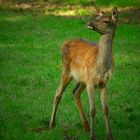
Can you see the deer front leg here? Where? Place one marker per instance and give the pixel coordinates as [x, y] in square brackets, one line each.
[77, 93]
[64, 82]
[106, 112]
[91, 95]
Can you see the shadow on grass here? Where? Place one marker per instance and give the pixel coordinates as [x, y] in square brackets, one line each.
[44, 126]
[127, 15]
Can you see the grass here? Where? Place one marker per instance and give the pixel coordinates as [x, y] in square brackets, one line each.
[30, 70]
[122, 3]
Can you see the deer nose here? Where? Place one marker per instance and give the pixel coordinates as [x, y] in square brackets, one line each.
[90, 25]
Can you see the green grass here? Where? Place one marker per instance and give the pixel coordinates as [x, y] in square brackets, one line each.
[122, 3]
[30, 70]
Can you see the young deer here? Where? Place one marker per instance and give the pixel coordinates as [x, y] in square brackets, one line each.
[91, 65]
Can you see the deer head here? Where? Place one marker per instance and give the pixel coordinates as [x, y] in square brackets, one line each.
[105, 23]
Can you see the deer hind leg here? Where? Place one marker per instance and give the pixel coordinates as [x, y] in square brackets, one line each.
[106, 112]
[77, 93]
[64, 82]
[91, 95]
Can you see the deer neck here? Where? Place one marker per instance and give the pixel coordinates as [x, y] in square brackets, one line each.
[104, 59]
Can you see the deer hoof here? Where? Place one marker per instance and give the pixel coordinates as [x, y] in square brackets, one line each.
[86, 126]
[92, 137]
[51, 125]
[110, 136]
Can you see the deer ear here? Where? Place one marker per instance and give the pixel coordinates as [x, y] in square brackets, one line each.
[114, 14]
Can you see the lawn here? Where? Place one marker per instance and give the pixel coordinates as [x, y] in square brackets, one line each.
[30, 70]
[121, 3]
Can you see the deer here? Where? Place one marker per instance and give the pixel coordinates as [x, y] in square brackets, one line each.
[90, 65]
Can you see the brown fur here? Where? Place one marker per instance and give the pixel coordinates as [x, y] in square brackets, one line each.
[80, 55]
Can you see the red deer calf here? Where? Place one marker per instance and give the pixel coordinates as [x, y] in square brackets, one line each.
[91, 65]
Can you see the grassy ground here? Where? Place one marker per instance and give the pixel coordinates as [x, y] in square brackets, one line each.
[30, 69]
[122, 3]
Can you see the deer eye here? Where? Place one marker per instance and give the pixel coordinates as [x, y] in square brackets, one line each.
[106, 21]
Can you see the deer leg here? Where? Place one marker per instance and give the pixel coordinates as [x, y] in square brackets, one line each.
[91, 95]
[77, 93]
[106, 112]
[64, 82]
